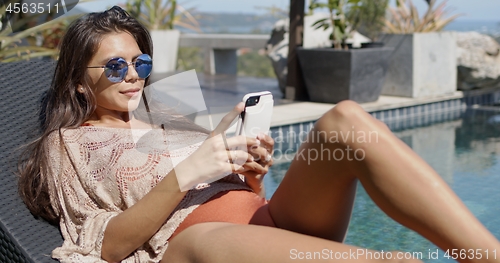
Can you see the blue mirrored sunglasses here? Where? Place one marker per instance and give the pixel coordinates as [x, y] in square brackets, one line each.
[116, 68]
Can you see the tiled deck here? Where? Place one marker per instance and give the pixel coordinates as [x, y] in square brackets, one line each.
[222, 92]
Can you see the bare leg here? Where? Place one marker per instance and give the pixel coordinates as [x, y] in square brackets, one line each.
[224, 242]
[316, 196]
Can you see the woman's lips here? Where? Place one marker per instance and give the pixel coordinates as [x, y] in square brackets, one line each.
[130, 92]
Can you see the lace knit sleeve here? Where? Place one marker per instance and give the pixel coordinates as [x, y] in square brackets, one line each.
[82, 221]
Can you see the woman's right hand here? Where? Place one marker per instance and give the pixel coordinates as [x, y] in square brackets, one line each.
[218, 156]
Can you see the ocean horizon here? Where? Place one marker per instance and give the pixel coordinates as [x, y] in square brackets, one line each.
[264, 26]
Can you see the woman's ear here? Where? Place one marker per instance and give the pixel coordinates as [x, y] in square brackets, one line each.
[80, 89]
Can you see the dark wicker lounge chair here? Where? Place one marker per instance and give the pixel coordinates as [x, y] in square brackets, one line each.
[22, 237]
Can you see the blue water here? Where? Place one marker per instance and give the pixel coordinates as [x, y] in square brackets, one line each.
[465, 152]
[488, 27]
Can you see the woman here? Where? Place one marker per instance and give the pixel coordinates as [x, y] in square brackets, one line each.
[119, 198]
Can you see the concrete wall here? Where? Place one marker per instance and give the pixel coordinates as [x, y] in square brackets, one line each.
[422, 64]
[434, 64]
[220, 49]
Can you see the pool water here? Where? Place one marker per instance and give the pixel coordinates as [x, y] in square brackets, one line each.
[465, 152]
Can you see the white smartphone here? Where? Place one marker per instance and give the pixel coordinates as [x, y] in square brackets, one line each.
[256, 117]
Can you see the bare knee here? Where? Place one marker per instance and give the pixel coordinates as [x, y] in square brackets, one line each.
[348, 115]
[345, 110]
[343, 115]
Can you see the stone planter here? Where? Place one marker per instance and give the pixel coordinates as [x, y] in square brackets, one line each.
[334, 75]
[166, 46]
[421, 65]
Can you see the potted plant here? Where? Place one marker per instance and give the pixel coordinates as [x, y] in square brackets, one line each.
[337, 73]
[368, 19]
[423, 62]
[160, 17]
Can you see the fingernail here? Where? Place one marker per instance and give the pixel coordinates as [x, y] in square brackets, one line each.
[251, 158]
[257, 142]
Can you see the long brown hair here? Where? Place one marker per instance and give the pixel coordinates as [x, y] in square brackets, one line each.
[64, 106]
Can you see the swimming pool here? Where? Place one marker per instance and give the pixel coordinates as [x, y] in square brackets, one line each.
[464, 151]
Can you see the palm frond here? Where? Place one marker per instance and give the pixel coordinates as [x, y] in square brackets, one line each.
[159, 14]
[405, 18]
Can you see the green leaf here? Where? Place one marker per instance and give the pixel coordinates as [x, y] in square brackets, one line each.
[321, 21]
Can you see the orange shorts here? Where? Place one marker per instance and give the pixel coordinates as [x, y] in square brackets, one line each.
[237, 206]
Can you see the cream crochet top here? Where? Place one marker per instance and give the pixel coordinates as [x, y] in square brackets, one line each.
[99, 172]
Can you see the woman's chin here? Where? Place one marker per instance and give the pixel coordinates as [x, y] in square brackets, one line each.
[133, 103]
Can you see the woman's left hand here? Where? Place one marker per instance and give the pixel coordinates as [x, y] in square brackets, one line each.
[256, 169]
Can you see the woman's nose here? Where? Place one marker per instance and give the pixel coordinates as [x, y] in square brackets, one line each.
[132, 74]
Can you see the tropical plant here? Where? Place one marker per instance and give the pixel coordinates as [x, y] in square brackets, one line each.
[369, 17]
[34, 42]
[161, 14]
[12, 47]
[406, 19]
[337, 19]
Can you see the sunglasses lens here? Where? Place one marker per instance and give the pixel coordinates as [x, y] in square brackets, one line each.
[116, 69]
[143, 66]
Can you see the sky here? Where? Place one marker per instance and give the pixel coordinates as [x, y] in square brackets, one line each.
[471, 9]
